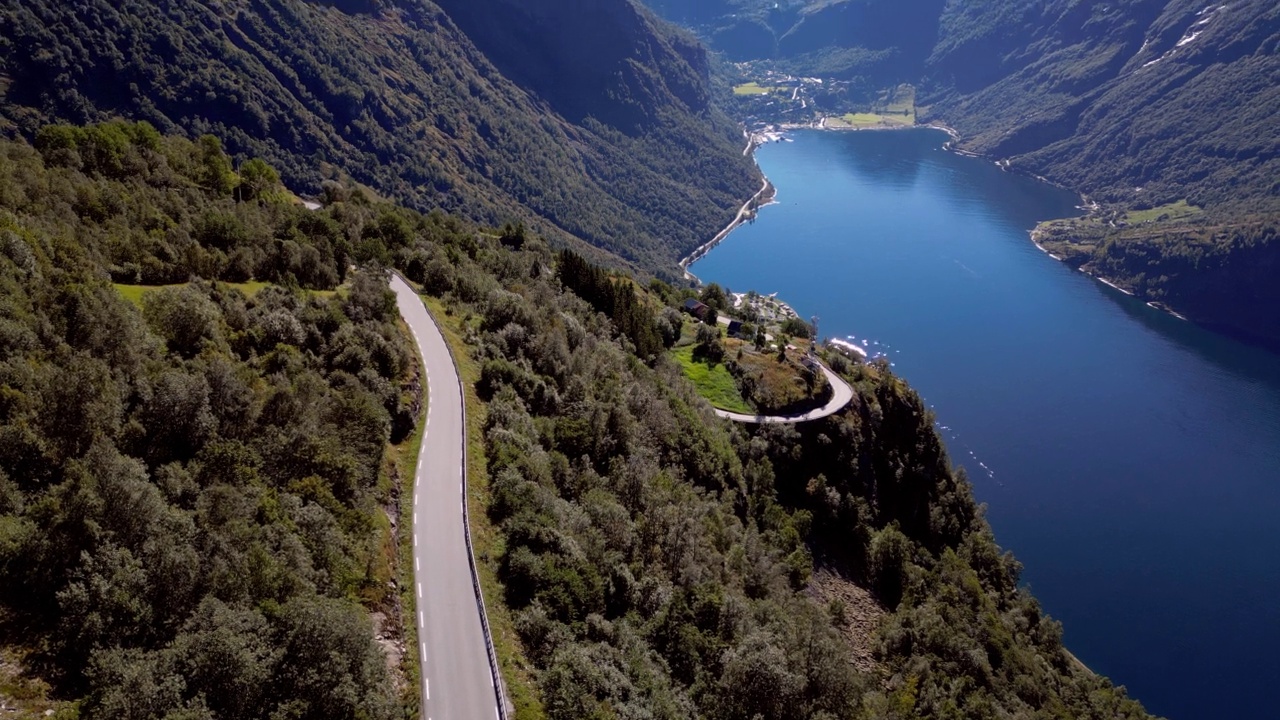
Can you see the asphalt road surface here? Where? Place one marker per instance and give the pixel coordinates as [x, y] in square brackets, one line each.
[457, 683]
[840, 396]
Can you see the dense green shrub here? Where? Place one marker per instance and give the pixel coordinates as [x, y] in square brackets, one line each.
[192, 484]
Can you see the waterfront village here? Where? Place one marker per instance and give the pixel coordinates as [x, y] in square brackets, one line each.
[772, 101]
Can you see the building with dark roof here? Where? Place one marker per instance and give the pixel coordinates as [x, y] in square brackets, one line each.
[699, 310]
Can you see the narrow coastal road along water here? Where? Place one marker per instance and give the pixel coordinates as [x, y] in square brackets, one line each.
[458, 679]
[841, 394]
[737, 220]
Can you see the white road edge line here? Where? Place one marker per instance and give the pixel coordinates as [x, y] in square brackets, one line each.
[420, 314]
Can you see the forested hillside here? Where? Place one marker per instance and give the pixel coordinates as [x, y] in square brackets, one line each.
[1222, 275]
[191, 495]
[190, 489]
[1140, 103]
[873, 42]
[627, 156]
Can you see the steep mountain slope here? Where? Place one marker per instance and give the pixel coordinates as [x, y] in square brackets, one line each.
[1138, 102]
[741, 29]
[394, 94]
[871, 40]
[601, 60]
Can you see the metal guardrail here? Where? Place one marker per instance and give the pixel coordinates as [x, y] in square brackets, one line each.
[499, 690]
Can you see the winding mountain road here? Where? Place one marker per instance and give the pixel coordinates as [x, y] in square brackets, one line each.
[840, 396]
[458, 677]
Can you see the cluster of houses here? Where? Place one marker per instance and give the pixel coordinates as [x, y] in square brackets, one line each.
[792, 100]
[707, 314]
[767, 308]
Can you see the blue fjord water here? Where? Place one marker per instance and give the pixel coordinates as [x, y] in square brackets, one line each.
[1129, 459]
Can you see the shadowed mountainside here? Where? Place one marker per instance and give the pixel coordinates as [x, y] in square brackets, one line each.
[395, 95]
